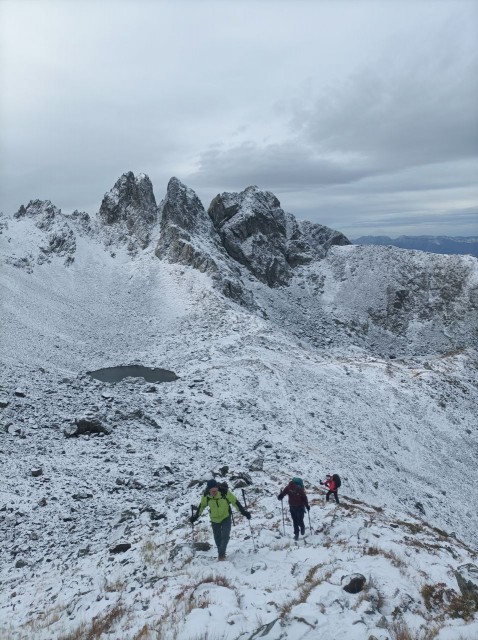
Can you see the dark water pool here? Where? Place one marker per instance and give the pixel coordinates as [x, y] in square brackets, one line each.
[116, 374]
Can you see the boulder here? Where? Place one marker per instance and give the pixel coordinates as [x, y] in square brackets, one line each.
[120, 548]
[353, 583]
[467, 578]
[86, 425]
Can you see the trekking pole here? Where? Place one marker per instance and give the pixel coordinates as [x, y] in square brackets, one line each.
[310, 526]
[283, 519]
[250, 525]
[192, 523]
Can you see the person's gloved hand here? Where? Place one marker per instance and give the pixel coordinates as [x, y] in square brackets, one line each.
[320, 482]
[279, 497]
[247, 515]
[193, 519]
[308, 507]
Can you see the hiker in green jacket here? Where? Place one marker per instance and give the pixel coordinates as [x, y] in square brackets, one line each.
[219, 503]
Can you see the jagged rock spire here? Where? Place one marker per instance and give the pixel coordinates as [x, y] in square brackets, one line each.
[130, 208]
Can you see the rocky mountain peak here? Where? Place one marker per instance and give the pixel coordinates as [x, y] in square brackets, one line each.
[187, 236]
[260, 235]
[130, 207]
[42, 210]
[181, 207]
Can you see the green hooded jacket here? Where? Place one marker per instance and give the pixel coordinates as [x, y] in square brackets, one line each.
[219, 506]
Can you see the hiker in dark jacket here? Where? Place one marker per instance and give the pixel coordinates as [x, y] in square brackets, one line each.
[298, 503]
[332, 488]
[219, 503]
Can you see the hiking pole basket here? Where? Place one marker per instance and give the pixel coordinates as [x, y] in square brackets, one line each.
[250, 525]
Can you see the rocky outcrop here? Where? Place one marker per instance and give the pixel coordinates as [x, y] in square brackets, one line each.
[260, 235]
[253, 229]
[129, 211]
[320, 238]
[467, 578]
[60, 235]
[187, 236]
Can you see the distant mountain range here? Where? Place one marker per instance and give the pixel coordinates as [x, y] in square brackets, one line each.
[432, 244]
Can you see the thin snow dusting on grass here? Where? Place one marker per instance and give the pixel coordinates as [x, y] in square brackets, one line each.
[314, 379]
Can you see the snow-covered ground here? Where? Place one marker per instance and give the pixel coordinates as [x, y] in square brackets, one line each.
[283, 391]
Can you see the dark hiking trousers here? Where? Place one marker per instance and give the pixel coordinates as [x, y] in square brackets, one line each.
[222, 532]
[297, 514]
[335, 494]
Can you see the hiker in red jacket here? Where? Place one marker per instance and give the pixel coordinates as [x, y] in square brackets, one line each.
[298, 503]
[332, 487]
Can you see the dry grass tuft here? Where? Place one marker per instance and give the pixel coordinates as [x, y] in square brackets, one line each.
[100, 624]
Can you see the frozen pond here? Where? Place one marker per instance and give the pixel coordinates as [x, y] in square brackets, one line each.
[116, 374]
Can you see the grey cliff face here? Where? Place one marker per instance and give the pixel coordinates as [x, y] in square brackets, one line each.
[257, 233]
[187, 236]
[183, 222]
[253, 230]
[130, 210]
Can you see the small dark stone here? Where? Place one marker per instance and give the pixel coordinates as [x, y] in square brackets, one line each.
[354, 583]
[20, 393]
[19, 564]
[36, 472]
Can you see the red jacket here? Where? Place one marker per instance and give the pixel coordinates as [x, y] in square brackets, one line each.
[297, 495]
[331, 484]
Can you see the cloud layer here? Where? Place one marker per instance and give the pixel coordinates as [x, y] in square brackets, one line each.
[359, 114]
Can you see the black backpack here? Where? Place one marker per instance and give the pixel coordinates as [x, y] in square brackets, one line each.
[223, 488]
[337, 480]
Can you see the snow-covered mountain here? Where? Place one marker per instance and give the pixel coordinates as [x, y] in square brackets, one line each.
[297, 354]
[434, 244]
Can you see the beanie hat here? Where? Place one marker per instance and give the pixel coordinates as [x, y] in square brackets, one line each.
[211, 483]
[298, 481]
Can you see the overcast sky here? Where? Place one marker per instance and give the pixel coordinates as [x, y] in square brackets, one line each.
[359, 115]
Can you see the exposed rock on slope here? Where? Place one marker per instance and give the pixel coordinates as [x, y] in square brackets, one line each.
[261, 236]
[188, 237]
[130, 210]
[56, 238]
[404, 300]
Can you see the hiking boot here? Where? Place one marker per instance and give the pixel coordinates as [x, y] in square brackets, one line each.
[296, 536]
[221, 557]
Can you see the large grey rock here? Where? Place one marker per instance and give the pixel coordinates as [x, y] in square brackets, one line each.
[129, 210]
[86, 425]
[467, 578]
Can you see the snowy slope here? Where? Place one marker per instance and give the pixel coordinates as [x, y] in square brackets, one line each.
[294, 386]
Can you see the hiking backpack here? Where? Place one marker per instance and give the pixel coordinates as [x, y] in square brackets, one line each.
[337, 480]
[222, 487]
